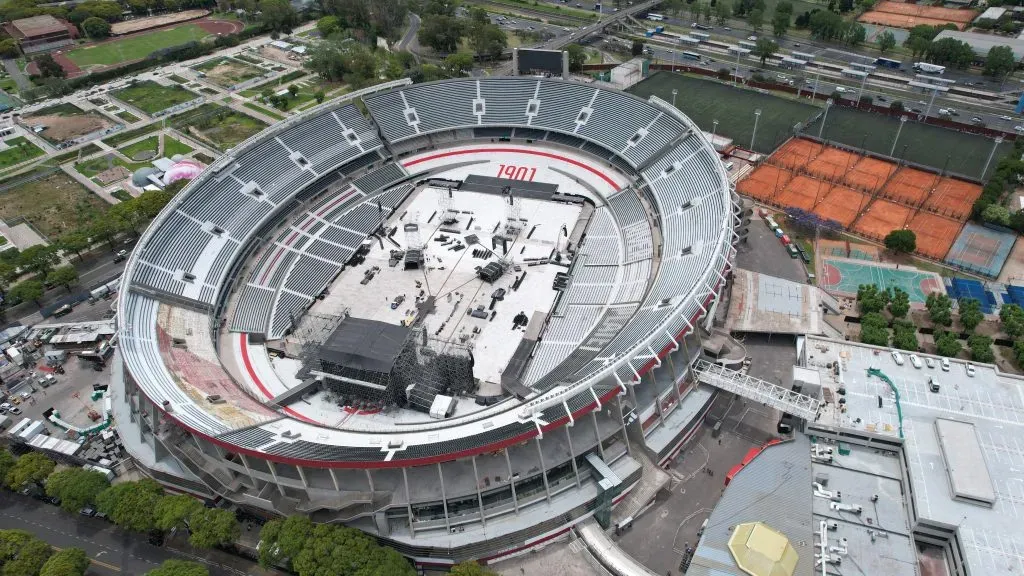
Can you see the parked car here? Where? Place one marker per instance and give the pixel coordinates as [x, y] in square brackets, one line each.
[929, 362]
[970, 370]
[915, 361]
[897, 358]
[62, 311]
[933, 384]
[944, 363]
[16, 411]
[87, 511]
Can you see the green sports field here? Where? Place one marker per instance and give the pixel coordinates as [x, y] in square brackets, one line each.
[920, 143]
[135, 47]
[707, 100]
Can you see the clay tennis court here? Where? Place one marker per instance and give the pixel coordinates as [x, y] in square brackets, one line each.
[935, 234]
[795, 153]
[869, 174]
[954, 198]
[902, 15]
[842, 204]
[763, 182]
[140, 24]
[802, 192]
[909, 186]
[831, 163]
[882, 217]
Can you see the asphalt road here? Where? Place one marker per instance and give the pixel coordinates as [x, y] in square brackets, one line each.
[111, 550]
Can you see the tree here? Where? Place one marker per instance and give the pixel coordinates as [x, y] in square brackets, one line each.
[904, 335]
[303, 543]
[179, 568]
[871, 299]
[75, 241]
[32, 468]
[176, 512]
[638, 48]
[131, 505]
[277, 15]
[76, 487]
[96, 27]
[1012, 318]
[67, 562]
[488, 41]
[722, 13]
[939, 308]
[282, 539]
[49, 68]
[724, 74]
[478, 16]
[756, 20]
[213, 527]
[970, 313]
[9, 48]
[319, 96]
[996, 214]
[826, 25]
[780, 22]
[1000, 62]
[471, 568]
[765, 49]
[293, 90]
[442, 33]
[946, 344]
[458, 64]
[886, 41]
[327, 25]
[897, 106]
[899, 304]
[7, 461]
[874, 329]
[25, 554]
[705, 10]
[65, 276]
[26, 291]
[951, 52]
[981, 348]
[577, 57]
[39, 258]
[901, 241]
[856, 34]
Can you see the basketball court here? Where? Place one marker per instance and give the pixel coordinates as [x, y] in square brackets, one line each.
[845, 276]
[982, 250]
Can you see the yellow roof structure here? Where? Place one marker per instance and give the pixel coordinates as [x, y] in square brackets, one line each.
[762, 551]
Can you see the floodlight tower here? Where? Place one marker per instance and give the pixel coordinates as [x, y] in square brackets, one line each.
[445, 200]
[513, 213]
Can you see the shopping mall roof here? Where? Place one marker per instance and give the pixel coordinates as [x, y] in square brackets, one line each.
[760, 550]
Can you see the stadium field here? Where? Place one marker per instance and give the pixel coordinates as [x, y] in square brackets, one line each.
[135, 46]
[707, 100]
[928, 145]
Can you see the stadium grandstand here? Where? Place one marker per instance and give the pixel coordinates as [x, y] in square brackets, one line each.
[433, 312]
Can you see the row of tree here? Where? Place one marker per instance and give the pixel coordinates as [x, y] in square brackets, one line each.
[443, 30]
[990, 205]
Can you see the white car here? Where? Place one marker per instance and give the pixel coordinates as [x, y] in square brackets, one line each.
[26, 395]
[897, 358]
[944, 363]
[1018, 128]
[752, 38]
[6, 406]
[970, 369]
[915, 361]
[841, 89]
[929, 362]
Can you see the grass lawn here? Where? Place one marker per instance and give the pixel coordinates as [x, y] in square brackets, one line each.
[65, 109]
[55, 204]
[222, 127]
[135, 47]
[227, 72]
[151, 144]
[69, 156]
[121, 195]
[262, 110]
[552, 9]
[280, 81]
[121, 137]
[178, 79]
[7, 84]
[173, 147]
[707, 100]
[19, 150]
[151, 97]
[127, 116]
[92, 167]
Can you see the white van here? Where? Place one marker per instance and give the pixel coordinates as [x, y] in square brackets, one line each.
[915, 361]
[933, 384]
[897, 358]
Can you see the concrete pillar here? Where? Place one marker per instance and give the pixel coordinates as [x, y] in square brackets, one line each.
[302, 476]
[543, 468]
[479, 495]
[597, 432]
[675, 379]
[625, 437]
[248, 469]
[657, 401]
[565, 65]
[515, 61]
[444, 499]
[572, 454]
[408, 502]
[511, 482]
[273, 472]
[334, 480]
[369, 479]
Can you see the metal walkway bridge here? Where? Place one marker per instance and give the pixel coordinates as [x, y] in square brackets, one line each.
[784, 399]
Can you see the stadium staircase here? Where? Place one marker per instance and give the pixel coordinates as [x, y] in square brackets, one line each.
[767, 393]
[652, 479]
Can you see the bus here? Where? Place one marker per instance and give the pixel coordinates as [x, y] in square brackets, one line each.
[927, 68]
[655, 17]
[747, 44]
[888, 63]
[690, 56]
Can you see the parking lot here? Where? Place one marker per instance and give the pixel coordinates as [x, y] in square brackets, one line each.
[70, 395]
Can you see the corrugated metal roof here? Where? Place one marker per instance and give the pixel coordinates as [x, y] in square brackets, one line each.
[774, 489]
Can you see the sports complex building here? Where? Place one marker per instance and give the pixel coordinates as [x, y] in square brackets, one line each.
[433, 312]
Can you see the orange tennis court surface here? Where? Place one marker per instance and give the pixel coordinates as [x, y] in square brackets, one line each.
[903, 15]
[870, 196]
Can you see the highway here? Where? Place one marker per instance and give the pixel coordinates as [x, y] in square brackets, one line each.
[111, 550]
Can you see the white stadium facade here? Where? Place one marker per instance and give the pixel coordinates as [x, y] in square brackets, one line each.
[440, 313]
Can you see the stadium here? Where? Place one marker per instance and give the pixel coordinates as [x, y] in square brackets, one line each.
[431, 312]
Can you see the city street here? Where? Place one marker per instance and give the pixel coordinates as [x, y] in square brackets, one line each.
[111, 550]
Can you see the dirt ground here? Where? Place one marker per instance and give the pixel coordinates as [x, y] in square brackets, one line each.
[271, 53]
[227, 73]
[61, 128]
[139, 24]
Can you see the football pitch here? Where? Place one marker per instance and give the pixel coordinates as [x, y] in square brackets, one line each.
[136, 46]
[921, 143]
[705, 101]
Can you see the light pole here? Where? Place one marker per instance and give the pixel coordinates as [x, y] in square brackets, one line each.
[817, 77]
[903, 119]
[828, 104]
[931, 101]
[674, 93]
[757, 116]
[998, 141]
[714, 130]
[867, 71]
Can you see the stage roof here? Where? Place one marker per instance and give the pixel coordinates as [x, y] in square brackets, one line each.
[365, 344]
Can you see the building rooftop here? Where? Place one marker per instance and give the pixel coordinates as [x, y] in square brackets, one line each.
[982, 43]
[959, 443]
[38, 26]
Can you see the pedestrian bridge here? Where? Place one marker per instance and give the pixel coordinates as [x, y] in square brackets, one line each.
[778, 397]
